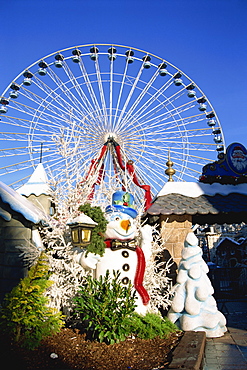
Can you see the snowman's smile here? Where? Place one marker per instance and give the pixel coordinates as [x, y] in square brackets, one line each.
[124, 235]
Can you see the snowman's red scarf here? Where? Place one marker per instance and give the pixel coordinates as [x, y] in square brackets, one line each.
[141, 265]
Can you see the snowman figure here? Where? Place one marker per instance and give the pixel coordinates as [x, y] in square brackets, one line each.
[122, 251]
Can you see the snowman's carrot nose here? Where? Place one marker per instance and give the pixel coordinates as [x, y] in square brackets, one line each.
[125, 224]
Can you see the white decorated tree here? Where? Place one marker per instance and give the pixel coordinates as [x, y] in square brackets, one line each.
[193, 305]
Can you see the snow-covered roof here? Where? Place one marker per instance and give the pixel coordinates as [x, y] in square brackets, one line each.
[228, 242]
[196, 189]
[37, 184]
[20, 204]
[227, 238]
[206, 203]
[82, 219]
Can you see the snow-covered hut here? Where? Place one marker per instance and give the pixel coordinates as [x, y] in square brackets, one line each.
[19, 222]
[179, 205]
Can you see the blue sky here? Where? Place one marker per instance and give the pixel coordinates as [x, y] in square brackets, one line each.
[206, 39]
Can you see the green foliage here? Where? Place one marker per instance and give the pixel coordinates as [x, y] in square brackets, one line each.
[104, 304]
[25, 315]
[107, 309]
[149, 326]
[97, 244]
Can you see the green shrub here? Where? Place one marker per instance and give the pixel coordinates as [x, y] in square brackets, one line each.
[97, 244]
[149, 326]
[25, 315]
[107, 310]
[103, 305]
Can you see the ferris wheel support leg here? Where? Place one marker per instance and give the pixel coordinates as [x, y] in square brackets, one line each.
[119, 156]
[91, 195]
[95, 162]
[93, 167]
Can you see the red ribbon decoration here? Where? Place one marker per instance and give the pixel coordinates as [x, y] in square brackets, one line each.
[140, 270]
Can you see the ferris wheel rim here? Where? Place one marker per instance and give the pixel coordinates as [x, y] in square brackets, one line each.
[112, 45]
[188, 157]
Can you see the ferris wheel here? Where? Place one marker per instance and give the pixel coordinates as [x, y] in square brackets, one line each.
[105, 116]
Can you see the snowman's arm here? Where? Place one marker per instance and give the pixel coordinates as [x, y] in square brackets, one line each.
[88, 260]
[146, 242]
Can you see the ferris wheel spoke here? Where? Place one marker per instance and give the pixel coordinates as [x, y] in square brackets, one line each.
[87, 106]
[161, 118]
[12, 152]
[145, 173]
[64, 89]
[73, 102]
[47, 121]
[55, 101]
[163, 155]
[15, 166]
[185, 135]
[120, 95]
[19, 182]
[140, 97]
[12, 136]
[160, 106]
[176, 111]
[54, 162]
[193, 158]
[88, 84]
[192, 146]
[26, 123]
[163, 135]
[161, 126]
[19, 122]
[33, 112]
[62, 107]
[110, 94]
[180, 122]
[147, 165]
[193, 173]
[101, 92]
[131, 92]
[154, 99]
[178, 163]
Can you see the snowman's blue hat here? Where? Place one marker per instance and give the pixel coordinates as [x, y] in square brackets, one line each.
[122, 201]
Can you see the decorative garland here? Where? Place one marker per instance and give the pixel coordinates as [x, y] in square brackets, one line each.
[97, 244]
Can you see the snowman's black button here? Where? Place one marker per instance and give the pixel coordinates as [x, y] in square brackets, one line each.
[126, 267]
[125, 280]
[125, 254]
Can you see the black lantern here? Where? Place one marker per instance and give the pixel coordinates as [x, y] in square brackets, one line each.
[81, 230]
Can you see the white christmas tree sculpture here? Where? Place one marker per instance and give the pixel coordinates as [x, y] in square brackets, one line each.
[193, 306]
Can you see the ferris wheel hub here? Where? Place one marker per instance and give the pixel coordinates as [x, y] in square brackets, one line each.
[110, 135]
